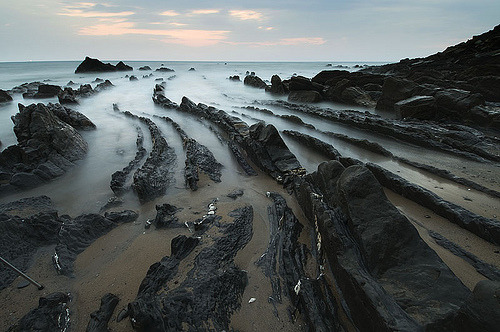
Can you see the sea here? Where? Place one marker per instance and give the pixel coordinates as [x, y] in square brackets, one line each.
[85, 188]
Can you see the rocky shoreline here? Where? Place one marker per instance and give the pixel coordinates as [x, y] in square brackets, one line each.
[291, 248]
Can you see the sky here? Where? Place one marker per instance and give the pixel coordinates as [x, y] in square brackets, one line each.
[232, 30]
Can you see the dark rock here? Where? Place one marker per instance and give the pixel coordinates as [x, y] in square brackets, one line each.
[487, 270]
[103, 86]
[314, 143]
[165, 215]
[235, 193]
[417, 107]
[207, 295]
[52, 314]
[156, 174]
[192, 69]
[305, 96]
[198, 158]
[42, 137]
[4, 96]
[384, 262]
[94, 65]
[301, 83]
[67, 96]
[254, 81]
[277, 86]
[311, 296]
[75, 119]
[357, 96]
[164, 69]
[25, 180]
[145, 68]
[79, 233]
[27, 207]
[98, 80]
[467, 66]
[482, 309]
[99, 319]
[133, 78]
[453, 102]
[483, 227]
[44, 91]
[25, 226]
[235, 78]
[85, 90]
[462, 141]
[70, 83]
[120, 66]
[29, 88]
[372, 87]
[119, 178]
[267, 149]
[395, 89]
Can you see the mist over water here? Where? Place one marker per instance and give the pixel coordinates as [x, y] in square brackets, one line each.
[85, 188]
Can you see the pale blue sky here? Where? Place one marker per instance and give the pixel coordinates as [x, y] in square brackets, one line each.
[315, 30]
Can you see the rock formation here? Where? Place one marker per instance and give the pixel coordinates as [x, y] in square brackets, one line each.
[90, 65]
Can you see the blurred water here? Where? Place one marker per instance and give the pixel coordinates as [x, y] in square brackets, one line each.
[85, 188]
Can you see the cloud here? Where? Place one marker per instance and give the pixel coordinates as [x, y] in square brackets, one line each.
[187, 37]
[246, 15]
[204, 11]
[177, 24]
[170, 13]
[92, 14]
[266, 28]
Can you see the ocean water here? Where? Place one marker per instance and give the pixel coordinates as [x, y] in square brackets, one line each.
[85, 188]
[112, 144]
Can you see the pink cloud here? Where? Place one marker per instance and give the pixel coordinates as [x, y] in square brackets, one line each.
[246, 15]
[173, 36]
[81, 13]
[205, 11]
[170, 13]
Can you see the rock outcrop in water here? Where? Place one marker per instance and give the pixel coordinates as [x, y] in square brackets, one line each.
[43, 91]
[262, 143]
[254, 81]
[4, 96]
[119, 178]
[47, 147]
[204, 297]
[198, 158]
[90, 65]
[156, 174]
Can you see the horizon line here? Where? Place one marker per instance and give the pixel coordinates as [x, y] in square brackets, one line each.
[219, 61]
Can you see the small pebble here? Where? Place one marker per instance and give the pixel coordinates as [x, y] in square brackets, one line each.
[252, 300]
[427, 216]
